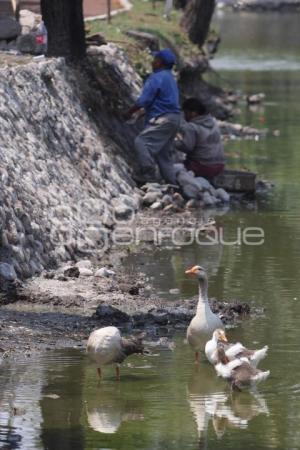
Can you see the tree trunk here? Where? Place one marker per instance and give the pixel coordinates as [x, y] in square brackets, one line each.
[65, 26]
[197, 18]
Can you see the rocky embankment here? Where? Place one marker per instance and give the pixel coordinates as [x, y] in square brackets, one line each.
[67, 158]
[64, 160]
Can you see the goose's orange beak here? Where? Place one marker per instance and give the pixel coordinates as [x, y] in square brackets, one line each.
[223, 338]
[193, 270]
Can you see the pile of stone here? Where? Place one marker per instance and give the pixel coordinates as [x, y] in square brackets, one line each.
[28, 35]
[83, 268]
[192, 193]
[10, 29]
[237, 131]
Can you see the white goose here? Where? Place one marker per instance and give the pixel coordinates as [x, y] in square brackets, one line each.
[239, 372]
[205, 321]
[106, 346]
[232, 351]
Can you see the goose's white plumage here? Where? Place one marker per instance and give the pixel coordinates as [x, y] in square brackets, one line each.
[239, 372]
[225, 370]
[211, 346]
[205, 321]
[253, 356]
[232, 351]
[104, 346]
[230, 371]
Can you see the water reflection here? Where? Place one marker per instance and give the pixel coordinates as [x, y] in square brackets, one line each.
[20, 412]
[223, 409]
[109, 408]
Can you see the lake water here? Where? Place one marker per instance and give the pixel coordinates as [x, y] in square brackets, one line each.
[165, 402]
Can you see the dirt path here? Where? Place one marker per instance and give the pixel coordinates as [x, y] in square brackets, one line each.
[91, 8]
[94, 8]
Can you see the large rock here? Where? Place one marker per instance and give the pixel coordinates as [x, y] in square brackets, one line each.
[104, 273]
[84, 263]
[9, 28]
[123, 212]
[222, 195]
[84, 272]
[110, 315]
[26, 43]
[3, 46]
[7, 272]
[189, 186]
[131, 201]
[208, 199]
[151, 197]
[72, 272]
[203, 183]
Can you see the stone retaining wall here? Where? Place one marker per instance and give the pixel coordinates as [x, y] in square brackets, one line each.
[62, 170]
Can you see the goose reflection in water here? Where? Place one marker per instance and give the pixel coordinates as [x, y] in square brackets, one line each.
[109, 409]
[210, 403]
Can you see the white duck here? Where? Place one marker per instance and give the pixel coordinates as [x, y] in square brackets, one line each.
[239, 372]
[106, 346]
[232, 351]
[205, 321]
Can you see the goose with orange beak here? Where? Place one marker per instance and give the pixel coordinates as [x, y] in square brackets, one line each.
[232, 351]
[205, 322]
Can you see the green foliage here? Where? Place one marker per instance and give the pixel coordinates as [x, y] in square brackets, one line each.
[143, 17]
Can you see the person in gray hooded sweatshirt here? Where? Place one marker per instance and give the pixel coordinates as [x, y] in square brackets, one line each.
[200, 139]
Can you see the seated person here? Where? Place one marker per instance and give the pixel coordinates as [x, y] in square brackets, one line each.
[200, 139]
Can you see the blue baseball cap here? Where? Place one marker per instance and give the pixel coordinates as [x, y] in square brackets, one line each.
[166, 55]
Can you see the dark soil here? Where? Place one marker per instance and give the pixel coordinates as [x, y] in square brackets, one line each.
[56, 311]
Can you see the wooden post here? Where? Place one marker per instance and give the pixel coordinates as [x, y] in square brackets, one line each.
[16, 8]
[108, 11]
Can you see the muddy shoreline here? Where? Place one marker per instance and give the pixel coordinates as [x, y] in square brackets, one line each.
[57, 311]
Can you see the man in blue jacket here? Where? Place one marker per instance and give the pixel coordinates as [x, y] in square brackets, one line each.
[160, 99]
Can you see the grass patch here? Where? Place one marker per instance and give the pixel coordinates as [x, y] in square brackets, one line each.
[143, 17]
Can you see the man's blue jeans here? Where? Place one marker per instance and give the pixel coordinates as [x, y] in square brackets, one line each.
[154, 145]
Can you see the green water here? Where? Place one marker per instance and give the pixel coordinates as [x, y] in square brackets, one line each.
[163, 401]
